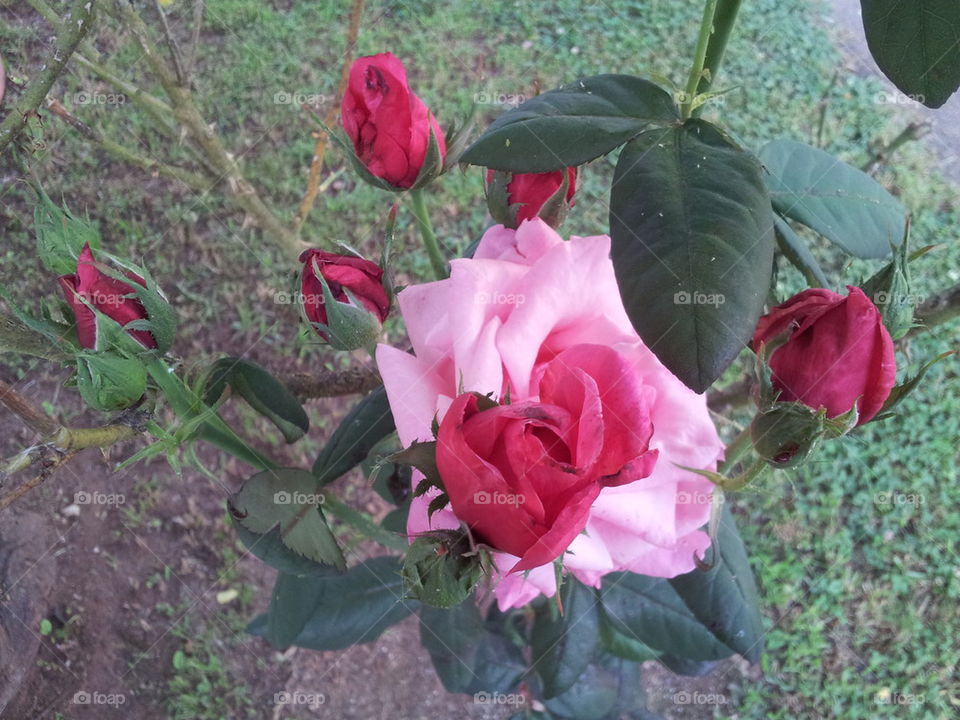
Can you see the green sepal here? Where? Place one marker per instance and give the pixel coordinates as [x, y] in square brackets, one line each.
[60, 234]
[441, 569]
[109, 382]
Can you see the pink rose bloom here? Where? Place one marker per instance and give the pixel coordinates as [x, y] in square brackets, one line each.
[523, 299]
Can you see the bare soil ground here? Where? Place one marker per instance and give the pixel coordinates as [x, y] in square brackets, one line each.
[132, 581]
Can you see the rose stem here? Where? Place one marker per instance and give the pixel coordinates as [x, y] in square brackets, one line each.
[426, 232]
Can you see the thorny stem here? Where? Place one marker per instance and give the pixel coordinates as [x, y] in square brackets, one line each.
[699, 57]
[81, 16]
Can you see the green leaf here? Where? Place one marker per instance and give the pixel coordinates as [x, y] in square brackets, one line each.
[563, 645]
[650, 611]
[470, 655]
[843, 204]
[367, 424]
[725, 598]
[292, 604]
[623, 646]
[797, 252]
[609, 689]
[572, 125]
[917, 45]
[692, 247]
[262, 391]
[287, 499]
[349, 609]
[269, 548]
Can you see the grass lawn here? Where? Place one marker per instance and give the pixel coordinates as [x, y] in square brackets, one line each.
[856, 554]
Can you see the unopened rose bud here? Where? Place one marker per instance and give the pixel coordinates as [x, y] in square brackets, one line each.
[343, 298]
[523, 196]
[833, 352]
[440, 569]
[395, 137]
[89, 290]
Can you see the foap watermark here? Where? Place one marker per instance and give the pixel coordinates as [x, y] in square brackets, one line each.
[500, 298]
[85, 697]
[297, 298]
[891, 498]
[885, 97]
[497, 98]
[82, 497]
[102, 300]
[698, 497]
[682, 97]
[282, 497]
[299, 98]
[98, 98]
[297, 697]
[698, 298]
[498, 498]
[889, 697]
[498, 698]
[882, 297]
[685, 697]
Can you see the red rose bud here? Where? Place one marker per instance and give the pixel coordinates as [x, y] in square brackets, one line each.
[389, 125]
[90, 288]
[524, 476]
[515, 198]
[343, 298]
[837, 354]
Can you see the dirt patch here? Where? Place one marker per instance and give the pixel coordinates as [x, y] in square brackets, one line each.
[126, 568]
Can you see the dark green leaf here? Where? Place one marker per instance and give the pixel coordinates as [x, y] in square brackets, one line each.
[287, 499]
[609, 689]
[572, 125]
[725, 598]
[468, 654]
[367, 424]
[623, 646]
[292, 604]
[917, 45]
[269, 548]
[843, 204]
[693, 246]
[349, 608]
[650, 611]
[797, 252]
[563, 645]
[262, 391]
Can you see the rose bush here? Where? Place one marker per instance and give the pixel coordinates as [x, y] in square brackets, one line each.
[499, 323]
[89, 288]
[837, 352]
[389, 125]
